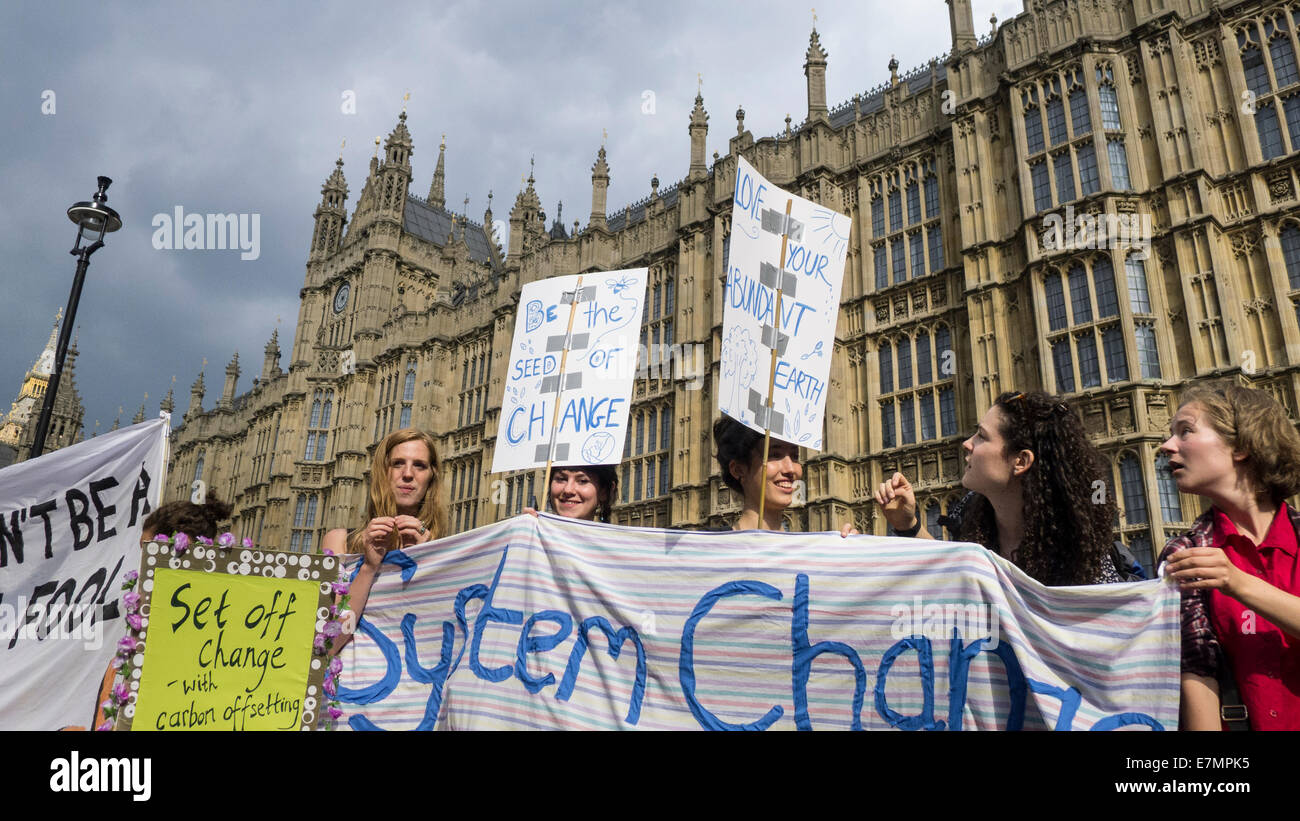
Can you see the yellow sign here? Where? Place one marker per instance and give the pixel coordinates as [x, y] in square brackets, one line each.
[226, 652]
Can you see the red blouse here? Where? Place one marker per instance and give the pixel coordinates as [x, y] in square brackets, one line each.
[1264, 660]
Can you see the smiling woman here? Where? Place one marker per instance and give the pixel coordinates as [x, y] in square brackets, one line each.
[774, 482]
[404, 508]
[583, 491]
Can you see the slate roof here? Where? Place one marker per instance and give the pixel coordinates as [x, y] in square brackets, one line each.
[432, 224]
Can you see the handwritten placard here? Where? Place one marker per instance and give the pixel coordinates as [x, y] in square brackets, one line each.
[817, 241]
[226, 642]
[596, 318]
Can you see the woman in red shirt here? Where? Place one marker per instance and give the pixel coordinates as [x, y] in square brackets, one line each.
[1237, 566]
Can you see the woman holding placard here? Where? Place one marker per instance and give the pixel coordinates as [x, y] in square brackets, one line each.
[404, 508]
[1035, 479]
[1237, 566]
[740, 456]
[581, 492]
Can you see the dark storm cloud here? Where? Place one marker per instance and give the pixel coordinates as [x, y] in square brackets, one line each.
[236, 108]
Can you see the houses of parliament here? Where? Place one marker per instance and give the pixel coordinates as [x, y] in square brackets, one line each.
[1179, 116]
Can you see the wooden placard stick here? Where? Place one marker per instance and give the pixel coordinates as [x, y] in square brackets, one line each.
[771, 377]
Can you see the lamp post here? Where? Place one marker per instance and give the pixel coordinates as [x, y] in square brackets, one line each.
[93, 219]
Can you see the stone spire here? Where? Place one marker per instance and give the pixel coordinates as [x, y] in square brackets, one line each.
[698, 129]
[139, 415]
[168, 404]
[961, 20]
[487, 214]
[814, 68]
[394, 174]
[196, 395]
[599, 190]
[437, 196]
[271, 361]
[331, 215]
[232, 377]
[526, 220]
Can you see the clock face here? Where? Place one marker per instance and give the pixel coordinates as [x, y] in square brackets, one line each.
[341, 298]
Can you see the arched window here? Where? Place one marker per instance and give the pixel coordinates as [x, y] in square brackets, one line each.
[1135, 498]
[1056, 318]
[1171, 503]
[1139, 299]
[408, 391]
[932, 518]
[904, 363]
[1103, 280]
[886, 368]
[1290, 241]
[924, 371]
[198, 466]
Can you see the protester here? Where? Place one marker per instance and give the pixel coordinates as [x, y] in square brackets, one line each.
[1237, 566]
[1033, 476]
[740, 457]
[581, 492]
[404, 508]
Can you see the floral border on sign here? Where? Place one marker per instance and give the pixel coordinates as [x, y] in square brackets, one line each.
[126, 647]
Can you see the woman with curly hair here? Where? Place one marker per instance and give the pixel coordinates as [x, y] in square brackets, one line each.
[1237, 566]
[404, 507]
[1032, 473]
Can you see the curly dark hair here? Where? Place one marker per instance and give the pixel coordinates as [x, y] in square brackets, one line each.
[1067, 536]
[188, 518]
[735, 442]
[606, 479]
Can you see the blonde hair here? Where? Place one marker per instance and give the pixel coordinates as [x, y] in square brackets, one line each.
[382, 502]
[1252, 422]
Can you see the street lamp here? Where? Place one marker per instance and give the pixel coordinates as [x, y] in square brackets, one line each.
[94, 219]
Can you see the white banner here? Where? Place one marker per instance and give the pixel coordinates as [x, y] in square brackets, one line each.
[804, 337]
[596, 317]
[540, 622]
[70, 525]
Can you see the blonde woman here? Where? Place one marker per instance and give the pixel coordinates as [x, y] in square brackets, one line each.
[404, 508]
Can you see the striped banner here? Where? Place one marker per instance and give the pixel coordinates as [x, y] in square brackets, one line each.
[550, 623]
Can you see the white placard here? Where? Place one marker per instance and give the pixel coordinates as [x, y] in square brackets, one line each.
[810, 303]
[70, 530]
[592, 383]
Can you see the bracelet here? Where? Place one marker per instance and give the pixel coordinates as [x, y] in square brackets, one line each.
[911, 532]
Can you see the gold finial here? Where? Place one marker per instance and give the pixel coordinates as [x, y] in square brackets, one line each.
[405, 99]
[146, 396]
[814, 11]
[699, 83]
[205, 361]
[342, 145]
[377, 138]
[604, 135]
[467, 203]
[58, 315]
[173, 379]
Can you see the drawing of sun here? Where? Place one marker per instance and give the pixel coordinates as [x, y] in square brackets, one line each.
[833, 228]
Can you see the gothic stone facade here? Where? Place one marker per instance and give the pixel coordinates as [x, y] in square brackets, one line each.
[1178, 116]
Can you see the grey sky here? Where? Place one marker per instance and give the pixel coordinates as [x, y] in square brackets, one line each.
[237, 108]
